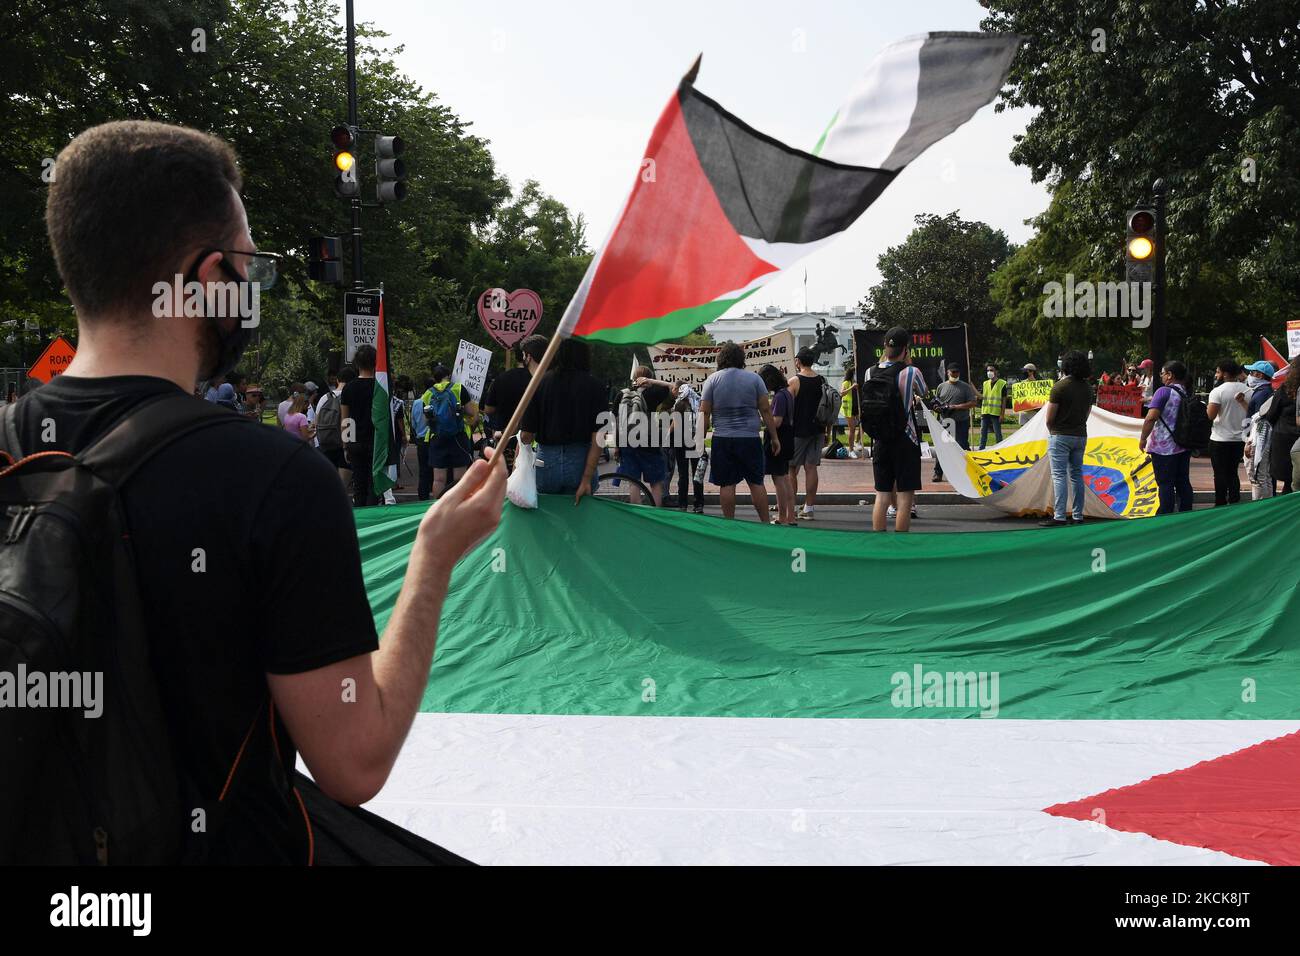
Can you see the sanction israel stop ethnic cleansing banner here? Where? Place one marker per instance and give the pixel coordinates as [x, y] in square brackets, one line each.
[692, 364]
[932, 351]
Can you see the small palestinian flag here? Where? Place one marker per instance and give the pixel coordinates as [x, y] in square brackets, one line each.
[381, 413]
[719, 209]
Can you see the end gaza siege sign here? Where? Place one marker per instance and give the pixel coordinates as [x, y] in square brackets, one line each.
[509, 316]
[692, 364]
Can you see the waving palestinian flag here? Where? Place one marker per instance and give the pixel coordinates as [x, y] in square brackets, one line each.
[381, 413]
[719, 209]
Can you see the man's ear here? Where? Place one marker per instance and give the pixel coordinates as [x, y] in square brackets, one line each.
[208, 268]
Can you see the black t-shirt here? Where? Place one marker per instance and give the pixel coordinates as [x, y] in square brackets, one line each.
[565, 407]
[281, 591]
[1073, 400]
[358, 395]
[504, 393]
[805, 406]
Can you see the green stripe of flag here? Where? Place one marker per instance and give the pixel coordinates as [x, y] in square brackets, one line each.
[609, 609]
[662, 328]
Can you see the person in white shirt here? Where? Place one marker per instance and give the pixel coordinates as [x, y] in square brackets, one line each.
[1227, 413]
[283, 408]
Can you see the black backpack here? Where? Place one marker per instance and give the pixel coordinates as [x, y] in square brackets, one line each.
[880, 404]
[77, 789]
[1192, 428]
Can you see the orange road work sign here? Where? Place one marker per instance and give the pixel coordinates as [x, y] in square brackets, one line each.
[53, 361]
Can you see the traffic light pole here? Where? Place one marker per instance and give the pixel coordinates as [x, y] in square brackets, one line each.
[358, 283]
[1159, 335]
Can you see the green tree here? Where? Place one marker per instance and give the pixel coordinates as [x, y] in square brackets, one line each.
[1204, 94]
[939, 276]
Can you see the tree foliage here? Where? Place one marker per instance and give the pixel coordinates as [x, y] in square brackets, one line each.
[1204, 93]
[269, 76]
[939, 276]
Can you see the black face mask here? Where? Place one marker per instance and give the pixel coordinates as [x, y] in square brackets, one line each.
[231, 344]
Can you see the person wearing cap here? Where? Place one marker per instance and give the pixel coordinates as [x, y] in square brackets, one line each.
[896, 461]
[1030, 371]
[1145, 379]
[993, 405]
[956, 398]
[1258, 433]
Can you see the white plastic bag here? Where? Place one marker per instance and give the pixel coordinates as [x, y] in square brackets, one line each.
[521, 486]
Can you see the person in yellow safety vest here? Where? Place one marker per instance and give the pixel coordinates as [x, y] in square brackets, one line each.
[450, 421]
[993, 403]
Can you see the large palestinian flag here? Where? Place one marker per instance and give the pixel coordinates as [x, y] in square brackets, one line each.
[718, 208]
[615, 684]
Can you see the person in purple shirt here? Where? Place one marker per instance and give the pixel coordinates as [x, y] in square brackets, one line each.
[1170, 460]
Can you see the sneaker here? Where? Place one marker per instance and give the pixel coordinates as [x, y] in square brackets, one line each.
[806, 515]
[1052, 523]
[699, 509]
[892, 512]
[914, 514]
[853, 454]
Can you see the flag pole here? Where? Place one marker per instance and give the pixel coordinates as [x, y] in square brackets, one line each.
[513, 425]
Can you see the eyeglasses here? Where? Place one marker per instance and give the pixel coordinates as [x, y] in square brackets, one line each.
[263, 267]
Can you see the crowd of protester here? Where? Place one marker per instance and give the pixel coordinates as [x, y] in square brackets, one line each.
[765, 426]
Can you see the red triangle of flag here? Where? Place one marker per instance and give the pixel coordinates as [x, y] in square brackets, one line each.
[1246, 803]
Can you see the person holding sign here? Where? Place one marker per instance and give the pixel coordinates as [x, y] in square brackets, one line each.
[450, 420]
[1031, 375]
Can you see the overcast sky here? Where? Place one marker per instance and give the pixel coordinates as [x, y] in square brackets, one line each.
[567, 92]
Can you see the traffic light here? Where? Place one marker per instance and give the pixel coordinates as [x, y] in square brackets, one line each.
[346, 185]
[389, 170]
[1140, 249]
[323, 263]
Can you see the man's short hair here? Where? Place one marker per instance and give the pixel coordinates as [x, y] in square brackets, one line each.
[347, 374]
[130, 197]
[807, 357]
[533, 346]
[1229, 366]
[365, 357]
[731, 355]
[1177, 369]
[440, 372]
[1075, 362]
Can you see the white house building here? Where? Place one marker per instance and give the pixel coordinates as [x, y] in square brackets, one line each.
[758, 322]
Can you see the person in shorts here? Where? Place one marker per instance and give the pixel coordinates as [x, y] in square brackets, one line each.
[806, 387]
[776, 465]
[896, 462]
[735, 401]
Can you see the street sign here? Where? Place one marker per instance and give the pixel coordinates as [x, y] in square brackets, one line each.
[53, 361]
[360, 322]
[471, 368]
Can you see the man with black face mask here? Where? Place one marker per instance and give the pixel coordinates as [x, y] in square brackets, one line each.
[227, 518]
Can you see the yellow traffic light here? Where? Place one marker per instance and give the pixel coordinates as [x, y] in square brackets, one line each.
[1140, 247]
[344, 160]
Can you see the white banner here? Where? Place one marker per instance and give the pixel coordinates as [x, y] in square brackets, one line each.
[694, 363]
[471, 368]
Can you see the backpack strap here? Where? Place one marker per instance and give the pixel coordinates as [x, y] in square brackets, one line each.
[9, 432]
[147, 430]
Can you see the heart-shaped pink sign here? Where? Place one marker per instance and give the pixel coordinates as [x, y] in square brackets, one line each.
[508, 317]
